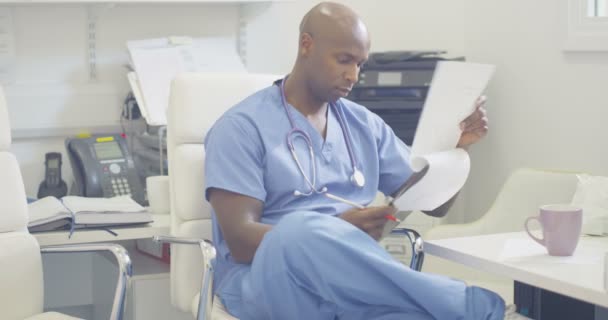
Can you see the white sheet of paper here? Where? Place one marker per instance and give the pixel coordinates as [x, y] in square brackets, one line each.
[448, 171]
[136, 88]
[454, 89]
[155, 70]
[157, 62]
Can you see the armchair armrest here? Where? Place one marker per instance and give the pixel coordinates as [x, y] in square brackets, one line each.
[124, 273]
[417, 246]
[208, 251]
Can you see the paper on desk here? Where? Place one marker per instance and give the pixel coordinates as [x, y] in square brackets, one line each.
[157, 61]
[454, 90]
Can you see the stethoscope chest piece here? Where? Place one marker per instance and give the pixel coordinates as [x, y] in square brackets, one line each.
[357, 178]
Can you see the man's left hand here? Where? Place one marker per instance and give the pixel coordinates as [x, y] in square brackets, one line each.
[475, 126]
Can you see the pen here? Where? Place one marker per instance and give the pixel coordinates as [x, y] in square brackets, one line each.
[356, 205]
[389, 200]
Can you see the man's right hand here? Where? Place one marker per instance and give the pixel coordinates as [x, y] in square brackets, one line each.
[371, 220]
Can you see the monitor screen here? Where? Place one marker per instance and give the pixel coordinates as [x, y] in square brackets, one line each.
[107, 150]
[53, 163]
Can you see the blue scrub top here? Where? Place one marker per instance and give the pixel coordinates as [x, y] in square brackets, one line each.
[247, 153]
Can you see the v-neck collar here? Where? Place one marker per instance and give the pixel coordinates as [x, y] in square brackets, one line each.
[325, 146]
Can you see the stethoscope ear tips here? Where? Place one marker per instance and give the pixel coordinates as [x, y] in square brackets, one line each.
[324, 189]
[297, 193]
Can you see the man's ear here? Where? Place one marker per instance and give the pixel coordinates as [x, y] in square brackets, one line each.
[306, 43]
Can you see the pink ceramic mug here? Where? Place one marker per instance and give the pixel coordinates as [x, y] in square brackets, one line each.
[561, 226]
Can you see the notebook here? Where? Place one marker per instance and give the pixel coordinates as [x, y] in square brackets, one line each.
[50, 213]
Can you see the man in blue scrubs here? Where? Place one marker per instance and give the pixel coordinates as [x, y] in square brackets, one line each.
[285, 250]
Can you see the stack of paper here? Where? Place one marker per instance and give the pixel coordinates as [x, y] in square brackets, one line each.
[157, 61]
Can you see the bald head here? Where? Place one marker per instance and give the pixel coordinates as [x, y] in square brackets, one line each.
[333, 44]
[330, 21]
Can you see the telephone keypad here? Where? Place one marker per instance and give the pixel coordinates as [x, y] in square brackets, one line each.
[120, 186]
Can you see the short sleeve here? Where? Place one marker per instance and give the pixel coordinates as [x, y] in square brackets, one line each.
[234, 158]
[394, 157]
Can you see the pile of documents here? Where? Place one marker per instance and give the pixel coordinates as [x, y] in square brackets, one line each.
[155, 62]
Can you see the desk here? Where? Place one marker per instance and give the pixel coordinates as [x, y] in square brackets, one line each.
[160, 226]
[78, 284]
[580, 277]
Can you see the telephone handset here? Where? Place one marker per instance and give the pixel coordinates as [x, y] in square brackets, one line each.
[52, 185]
[103, 167]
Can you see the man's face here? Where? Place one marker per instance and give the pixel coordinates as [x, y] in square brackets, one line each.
[333, 66]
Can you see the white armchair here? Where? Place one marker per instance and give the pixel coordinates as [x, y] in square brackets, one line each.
[196, 102]
[520, 197]
[21, 274]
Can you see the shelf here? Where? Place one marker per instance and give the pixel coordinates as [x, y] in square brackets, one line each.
[134, 1]
[19, 134]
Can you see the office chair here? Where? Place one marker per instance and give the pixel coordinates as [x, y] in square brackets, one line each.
[21, 274]
[196, 102]
[522, 194]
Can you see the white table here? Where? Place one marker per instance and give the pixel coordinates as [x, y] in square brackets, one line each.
[516, 256]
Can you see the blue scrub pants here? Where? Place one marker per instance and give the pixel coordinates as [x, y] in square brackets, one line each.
[312, 266]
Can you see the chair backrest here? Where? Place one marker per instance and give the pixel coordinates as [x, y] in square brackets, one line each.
[196, 102]
[522, 194]
[21, 286]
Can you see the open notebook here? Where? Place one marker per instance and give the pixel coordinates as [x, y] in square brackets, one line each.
[50, 213]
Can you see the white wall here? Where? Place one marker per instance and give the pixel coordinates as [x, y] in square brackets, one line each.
[51, 87]
[51, 50]
[547, 108]
[414, 25]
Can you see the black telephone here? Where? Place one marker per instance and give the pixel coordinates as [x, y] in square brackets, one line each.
[103, 167]
[52, 185]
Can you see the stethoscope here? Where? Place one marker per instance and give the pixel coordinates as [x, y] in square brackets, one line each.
[356, 178]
